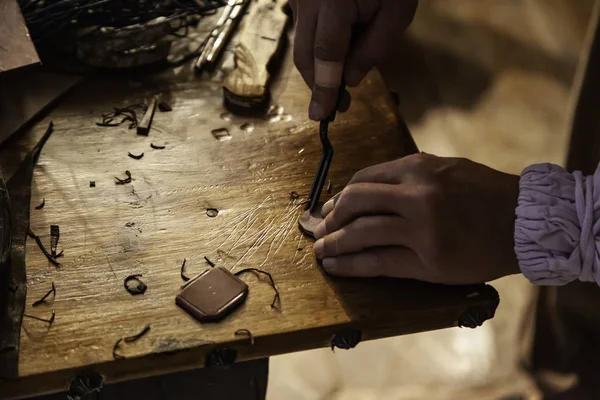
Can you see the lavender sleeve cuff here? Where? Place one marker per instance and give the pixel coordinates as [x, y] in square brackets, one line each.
[557, 225]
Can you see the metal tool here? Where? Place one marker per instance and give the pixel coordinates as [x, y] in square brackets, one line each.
[319, 181]
[221, 34]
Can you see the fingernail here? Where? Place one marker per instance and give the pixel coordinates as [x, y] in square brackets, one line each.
[327, 208]
[329, 265]
[316, 111]
[320, 248]
[320, 230]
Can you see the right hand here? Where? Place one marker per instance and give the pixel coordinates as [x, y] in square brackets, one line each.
[436, 219]
[344, 38]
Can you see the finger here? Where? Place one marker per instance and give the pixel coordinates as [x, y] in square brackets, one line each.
[378, 40]
[364, 233]
[329, 205]
[362, 200]
[381, 173]
[394, 262]
[344, 104]
[306, 14]
[332, 42]
[398, 171]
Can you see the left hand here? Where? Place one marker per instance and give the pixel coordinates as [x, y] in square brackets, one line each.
[344, 38]
[442, 220]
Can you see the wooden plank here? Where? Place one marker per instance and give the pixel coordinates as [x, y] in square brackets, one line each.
[26, 93]
[16, 48]
[259, 41]
[150, 226]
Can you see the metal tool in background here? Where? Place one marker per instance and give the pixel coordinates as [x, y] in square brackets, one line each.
[321, 176]
[231, 15]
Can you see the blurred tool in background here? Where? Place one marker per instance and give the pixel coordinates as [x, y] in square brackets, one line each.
[221, 34]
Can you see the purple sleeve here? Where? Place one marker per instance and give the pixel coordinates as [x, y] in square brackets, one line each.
[557, 225]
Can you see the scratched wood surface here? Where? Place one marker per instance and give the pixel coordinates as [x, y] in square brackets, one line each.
[150, 226]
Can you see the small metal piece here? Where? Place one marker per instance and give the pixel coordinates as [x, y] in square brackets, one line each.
[221, 357]
[143, 127]
[54, 237]
[221, 134]
[346, 340]
[92, 184]
[212, 212]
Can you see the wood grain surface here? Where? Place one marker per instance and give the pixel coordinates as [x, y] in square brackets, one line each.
[151, 225]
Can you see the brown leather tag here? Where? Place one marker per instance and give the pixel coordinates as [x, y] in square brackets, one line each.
[211, 295]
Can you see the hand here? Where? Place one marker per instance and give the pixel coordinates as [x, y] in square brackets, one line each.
[348, 38]
[442, 220]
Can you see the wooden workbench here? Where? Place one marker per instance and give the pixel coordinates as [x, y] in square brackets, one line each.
[150, 226]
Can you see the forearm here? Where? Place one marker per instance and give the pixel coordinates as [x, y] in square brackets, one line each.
[557, 227]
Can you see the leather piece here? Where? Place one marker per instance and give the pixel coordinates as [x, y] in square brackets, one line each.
[13, 277]
[212, 295]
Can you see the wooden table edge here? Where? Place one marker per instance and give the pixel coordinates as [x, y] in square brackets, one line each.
[194, 357]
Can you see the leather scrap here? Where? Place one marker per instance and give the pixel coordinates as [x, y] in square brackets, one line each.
[13, 277]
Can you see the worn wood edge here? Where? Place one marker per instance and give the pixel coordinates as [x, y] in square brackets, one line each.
[193, 357]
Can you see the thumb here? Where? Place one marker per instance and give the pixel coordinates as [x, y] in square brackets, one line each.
[393, 262]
